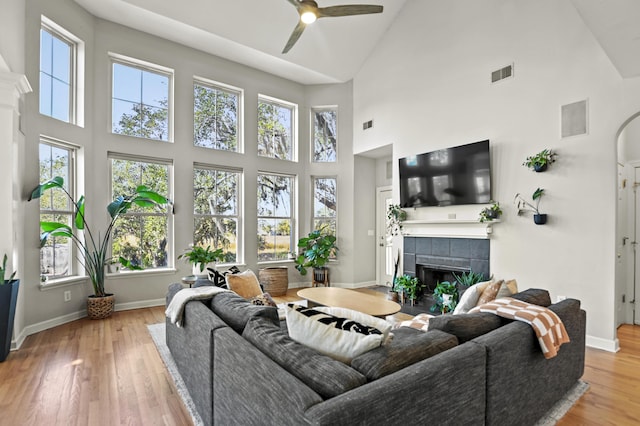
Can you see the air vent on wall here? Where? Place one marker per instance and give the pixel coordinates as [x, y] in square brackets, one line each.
[367, 125]
[502, 73]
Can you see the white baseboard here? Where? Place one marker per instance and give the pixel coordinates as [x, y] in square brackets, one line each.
[54, 322]
[604, 344]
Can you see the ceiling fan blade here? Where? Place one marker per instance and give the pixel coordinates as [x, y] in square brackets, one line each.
[295, 35]
[295, 3]
[348, 10]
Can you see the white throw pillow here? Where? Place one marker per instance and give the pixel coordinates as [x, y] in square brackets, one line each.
[338, 337]
[378, 323]
[468, 300]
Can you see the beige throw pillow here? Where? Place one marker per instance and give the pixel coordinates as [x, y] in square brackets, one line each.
[507, 289]
[490, 292]
[245, 284]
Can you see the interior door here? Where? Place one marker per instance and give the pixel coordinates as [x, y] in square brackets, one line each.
[384, 258]
[636, 247]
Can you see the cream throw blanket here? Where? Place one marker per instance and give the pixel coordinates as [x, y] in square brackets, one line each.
[175, 310]
[549, 328]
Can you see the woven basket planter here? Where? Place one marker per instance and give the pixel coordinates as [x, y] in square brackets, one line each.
[100, 307]
[275, 280]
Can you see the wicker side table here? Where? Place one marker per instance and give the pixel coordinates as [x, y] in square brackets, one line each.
[274, 280]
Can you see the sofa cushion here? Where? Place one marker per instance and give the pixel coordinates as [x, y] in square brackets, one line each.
[507, 289]
[237, 311]
[466, 327]
[338, 337]
[535, 296]
[489, 293]
[407, 347]
[245, 284]
[468, 300]
[323, 374]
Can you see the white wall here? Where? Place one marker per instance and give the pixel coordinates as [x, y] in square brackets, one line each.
[12, 33]
[432, 78]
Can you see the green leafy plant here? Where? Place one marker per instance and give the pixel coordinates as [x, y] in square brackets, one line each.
[469, 278]
[315, 250]
[490, 213]
[523, 205]
[446, 297]
[396, 264]
[3, 272]
[197, 255]
[541, 160]
[410, 285]
[93, 250]
[395, 217]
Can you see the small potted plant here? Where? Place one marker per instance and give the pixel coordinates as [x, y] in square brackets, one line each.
[490, 213]
[395, 217]
[524, 206]
[199, 257]
[468, 279]
[8, 300]
[411, 286]
[315, 251]
[540, 161]
[446, 297]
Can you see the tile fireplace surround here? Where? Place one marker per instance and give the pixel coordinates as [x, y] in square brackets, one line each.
[429, 257]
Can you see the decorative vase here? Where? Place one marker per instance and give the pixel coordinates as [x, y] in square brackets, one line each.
[8, 300]
[540, 167]
[100, 307]
[540, 219]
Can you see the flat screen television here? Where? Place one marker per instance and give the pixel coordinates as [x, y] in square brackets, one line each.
[447, 177]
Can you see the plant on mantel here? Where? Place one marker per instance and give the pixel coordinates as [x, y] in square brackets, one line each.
[395, 217]
[490, 213]
[524, 206]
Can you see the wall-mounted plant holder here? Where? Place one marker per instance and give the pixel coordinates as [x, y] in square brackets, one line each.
[540, 161]
[490, 213]
[524, 206]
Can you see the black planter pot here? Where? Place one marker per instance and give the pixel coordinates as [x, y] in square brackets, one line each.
[540, 167]
[540, 219]
[8, 300]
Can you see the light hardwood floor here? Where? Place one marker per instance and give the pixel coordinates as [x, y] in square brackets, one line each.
[108, 372]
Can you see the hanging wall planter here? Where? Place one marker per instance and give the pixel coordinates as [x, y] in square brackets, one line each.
[524, 206]
[540, 219]
[539, 162]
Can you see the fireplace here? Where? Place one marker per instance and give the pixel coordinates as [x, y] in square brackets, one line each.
[434, 260]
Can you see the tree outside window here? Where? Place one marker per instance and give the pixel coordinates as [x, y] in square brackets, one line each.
[275, 204]
[275, 129]
[324, 204]
[215, 117]
[56, 257]
[324, 135]
[56, 83]
[140, 103]
[141, 235]
[216, 210]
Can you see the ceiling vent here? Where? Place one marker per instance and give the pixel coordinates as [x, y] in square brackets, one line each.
[502, 73]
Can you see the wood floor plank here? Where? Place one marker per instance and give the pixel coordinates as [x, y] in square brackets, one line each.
[108, 372]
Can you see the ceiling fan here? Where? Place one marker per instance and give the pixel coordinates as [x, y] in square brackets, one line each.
[309, 12]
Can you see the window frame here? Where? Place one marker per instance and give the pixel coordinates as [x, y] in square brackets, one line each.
[215, 85]
[76, 70]
[76, 269]
[313, 200]
[294, 125]
[239, 207]
[169, 208]
[312, 148]
[291, 218]
[144, 66]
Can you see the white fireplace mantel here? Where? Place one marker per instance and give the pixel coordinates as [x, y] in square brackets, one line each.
[448, 228]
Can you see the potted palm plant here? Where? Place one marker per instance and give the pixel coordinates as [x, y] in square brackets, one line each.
[315, 251]
[94, 248]
[8, 300]
[523, 206]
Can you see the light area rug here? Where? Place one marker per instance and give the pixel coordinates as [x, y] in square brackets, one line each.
[157, 332]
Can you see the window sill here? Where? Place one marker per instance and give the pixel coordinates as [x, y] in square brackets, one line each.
[145, 272]
[63, 282]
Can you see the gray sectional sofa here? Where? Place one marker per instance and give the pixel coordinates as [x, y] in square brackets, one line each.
[241, 368]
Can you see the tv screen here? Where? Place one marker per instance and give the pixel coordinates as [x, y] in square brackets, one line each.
[451, 176]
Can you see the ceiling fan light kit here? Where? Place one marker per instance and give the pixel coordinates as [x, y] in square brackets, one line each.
[309, 12]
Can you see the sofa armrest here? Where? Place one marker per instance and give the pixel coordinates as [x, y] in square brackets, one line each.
[446, 389]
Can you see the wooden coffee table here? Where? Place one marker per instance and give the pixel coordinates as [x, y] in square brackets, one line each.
[345, 298]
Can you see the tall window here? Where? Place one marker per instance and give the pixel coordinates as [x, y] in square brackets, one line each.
[324, 204]
[56, 257]
[216, 210]
[57, 55]
[275, 207]
[141, 235]
[325, 123]
[140, 101]
[276, 128]
[215, 117]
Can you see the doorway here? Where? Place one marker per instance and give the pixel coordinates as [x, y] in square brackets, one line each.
[384, 240]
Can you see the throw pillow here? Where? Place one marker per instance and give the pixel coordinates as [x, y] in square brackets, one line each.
[467, 301]
[419, 322]
[338, 337]
[264, 299]
[368, 320]
[245, 284]
[507, 289]
[489, 292]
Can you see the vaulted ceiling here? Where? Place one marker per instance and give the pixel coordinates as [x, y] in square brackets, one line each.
[331, 50]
